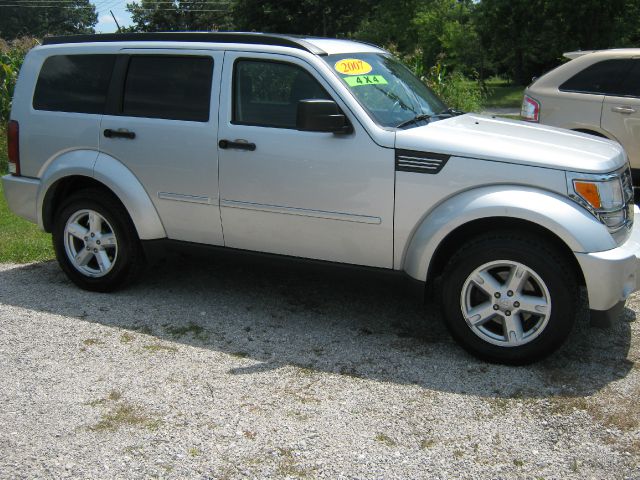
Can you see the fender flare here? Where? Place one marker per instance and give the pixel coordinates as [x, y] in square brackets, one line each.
[574, 225]
[113, 175]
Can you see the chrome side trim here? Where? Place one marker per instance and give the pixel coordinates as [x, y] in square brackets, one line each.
[178, 197]
[344, 217]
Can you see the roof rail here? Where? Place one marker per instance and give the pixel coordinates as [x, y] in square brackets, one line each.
[291, 41]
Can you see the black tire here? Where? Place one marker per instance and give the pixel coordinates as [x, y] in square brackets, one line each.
[551, 267]
[127, 256]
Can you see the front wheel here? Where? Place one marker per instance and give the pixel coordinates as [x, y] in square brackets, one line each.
[95, 242]
[509, 298]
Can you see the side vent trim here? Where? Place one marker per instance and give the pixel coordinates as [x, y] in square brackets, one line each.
[420, 162]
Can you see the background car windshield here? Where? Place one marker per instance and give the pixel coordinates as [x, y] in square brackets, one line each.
[385, 87]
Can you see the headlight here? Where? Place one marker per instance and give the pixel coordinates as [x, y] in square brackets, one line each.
[605, 196]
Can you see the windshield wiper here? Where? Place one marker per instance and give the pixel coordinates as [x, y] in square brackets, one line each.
[416, 119]
[450, 111]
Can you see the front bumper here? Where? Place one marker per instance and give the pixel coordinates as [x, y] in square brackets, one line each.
[611, 276]
[21, 194]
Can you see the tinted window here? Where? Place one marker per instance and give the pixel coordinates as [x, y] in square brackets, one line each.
[176, 88]
[74, 83]
[600, 78]
[631, 84]
[267, 93]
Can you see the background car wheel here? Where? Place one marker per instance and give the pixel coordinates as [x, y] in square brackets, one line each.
[96, 243]
[509, 298]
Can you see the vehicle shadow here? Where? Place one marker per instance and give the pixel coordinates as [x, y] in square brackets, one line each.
[327, 319]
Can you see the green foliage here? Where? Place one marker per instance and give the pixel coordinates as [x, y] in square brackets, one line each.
[76, 16]
[454, 88]
[20, 240]
[163, 16]
[11, 58]
[525, 38]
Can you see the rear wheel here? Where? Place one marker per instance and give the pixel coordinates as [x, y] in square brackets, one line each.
[95, 242]
[509, 298]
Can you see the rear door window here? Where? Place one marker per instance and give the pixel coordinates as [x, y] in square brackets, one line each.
[74, 83]
[602, 78]
[169, 87]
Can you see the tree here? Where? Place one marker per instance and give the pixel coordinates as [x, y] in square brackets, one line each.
[166, 16]
[34, 19]
[527, 37]
[331, 18]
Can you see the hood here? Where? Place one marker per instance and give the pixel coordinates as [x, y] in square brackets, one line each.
[488, 138]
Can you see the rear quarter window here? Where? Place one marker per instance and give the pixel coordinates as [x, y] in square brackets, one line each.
[74, 83]
[602, 78]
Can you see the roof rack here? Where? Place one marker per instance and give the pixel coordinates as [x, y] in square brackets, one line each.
[291, 41]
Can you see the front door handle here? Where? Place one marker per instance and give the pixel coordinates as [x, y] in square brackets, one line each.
[237, 144]
[626, 110]
[121, 133]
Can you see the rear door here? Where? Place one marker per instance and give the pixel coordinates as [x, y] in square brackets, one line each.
[621, 115]
[161, 122]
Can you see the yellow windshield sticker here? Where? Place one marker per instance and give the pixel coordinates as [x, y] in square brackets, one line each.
[352, 66]
[361, 80]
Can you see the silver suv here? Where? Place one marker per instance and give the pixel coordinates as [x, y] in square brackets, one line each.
[324, 149]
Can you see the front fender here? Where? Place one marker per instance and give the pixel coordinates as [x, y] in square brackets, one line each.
[579, 230]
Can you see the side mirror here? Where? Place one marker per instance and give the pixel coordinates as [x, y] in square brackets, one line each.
[321, 116]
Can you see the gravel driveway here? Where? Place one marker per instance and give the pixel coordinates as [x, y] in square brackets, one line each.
[231, 367]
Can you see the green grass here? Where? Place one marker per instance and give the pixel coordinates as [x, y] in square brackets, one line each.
[20, 241]
[501, 94]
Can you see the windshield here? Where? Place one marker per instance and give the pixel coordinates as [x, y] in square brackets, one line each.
[385, 87]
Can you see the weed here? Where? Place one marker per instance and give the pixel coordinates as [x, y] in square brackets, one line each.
[180, 331]
[249, 434]
[126, 338]
[424, 444]
[239, 354]
[156, 347]
[517, 462]
[458, 453]
[194, 452]
[125, 415]
[388, 441]
[92, 341]
[114, 395]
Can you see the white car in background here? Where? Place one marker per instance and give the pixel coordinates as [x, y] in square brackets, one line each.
[597, 92]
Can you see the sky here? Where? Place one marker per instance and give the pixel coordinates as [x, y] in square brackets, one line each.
[105, 21]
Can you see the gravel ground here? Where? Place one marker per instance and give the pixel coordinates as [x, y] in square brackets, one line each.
[230, 367]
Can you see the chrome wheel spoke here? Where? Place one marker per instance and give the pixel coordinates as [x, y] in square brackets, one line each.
[95, 222]
[533, 304]
[103, 261]
[518, 275]
[481, 314]
[83, 257]
[77, 231]
[108, 240]
[513, 329]
[485, 282]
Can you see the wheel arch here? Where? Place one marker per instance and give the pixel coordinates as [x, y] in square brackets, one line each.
[456, 238]
[89, 169]
[545, 213]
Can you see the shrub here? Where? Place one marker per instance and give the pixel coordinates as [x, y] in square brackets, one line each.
[11, 57]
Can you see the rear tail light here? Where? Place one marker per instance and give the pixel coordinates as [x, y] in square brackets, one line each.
[13, 144]
[530, 109]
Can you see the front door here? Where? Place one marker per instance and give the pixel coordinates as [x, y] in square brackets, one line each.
[306, 194]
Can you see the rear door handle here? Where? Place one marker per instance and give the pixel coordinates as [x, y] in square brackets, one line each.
[121, 133]
[625, 110]
[237, 144]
